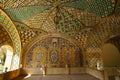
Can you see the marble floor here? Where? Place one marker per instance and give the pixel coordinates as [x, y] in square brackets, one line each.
[57, 77]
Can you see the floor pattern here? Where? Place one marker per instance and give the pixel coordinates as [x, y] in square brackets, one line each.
[57, 77]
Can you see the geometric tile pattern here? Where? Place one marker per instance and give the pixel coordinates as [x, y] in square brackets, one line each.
[77, 4]
[68, 22]
[94, 57]
[39, 32]
[109, 27]
[4, 37]
[88, 19]
[26, 33]
[26, 36]
[43, 20]
[23, 13]
[101, 8]
[40, 14]
[75, 16]
[20, 26]
[22, 3]
[81, 36]
[104, 31]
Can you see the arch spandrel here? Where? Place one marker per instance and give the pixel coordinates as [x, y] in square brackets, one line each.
[8, 25]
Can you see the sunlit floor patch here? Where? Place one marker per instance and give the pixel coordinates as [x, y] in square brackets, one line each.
[27, 76]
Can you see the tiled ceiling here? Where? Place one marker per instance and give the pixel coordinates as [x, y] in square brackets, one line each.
[4, 37]
[89, 22]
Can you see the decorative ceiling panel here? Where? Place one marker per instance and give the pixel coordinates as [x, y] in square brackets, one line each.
[110, 26]
[43, 20]
[24, 3]
[80, 36]
[4, 37]
[72, 15]
[77, 4]
[101, 7]
[21, 26]
[39, 32]
[26, 33]
[88, 19]
[98, 7]
[26, 36]
[21, 14]
[68, 22]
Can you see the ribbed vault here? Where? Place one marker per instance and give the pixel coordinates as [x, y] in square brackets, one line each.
[89, 22]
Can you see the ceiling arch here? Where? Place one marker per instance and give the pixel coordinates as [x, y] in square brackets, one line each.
[74, 15]
[26, 33]
[8, 25]
[50, 35]
[88, 22]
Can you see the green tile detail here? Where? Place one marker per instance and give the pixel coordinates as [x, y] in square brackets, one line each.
[101, 7]
[21, 14]
[78, 4]
[68, 23]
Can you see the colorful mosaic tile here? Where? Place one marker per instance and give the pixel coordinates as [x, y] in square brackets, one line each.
[101, 8]
[21, 14]
[12, 32]
[68, 22]
[21, 3]
[107, 28]
[54, 51]
[88, 19]
[4, 37]
[74, 17]
[43, 20]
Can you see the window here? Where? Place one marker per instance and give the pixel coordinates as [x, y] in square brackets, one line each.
[6, 53]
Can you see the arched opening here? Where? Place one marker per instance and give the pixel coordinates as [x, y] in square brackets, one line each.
[111, 55]
[53, 52]
[6, 54]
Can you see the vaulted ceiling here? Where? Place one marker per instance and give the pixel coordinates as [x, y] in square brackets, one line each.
[89, 22]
